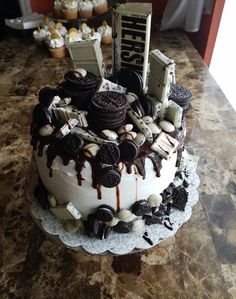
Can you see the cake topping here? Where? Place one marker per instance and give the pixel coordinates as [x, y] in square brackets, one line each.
[128, 150]
[140, 208]
[122, 227]
[109, 153]
[46, 130]
[105, 213]
[109, 177]
[71, 144]
[91, 149]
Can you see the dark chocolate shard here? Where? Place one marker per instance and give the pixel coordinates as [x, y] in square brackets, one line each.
[180, 198]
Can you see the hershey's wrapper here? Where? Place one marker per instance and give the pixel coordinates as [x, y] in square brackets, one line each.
[132, 25]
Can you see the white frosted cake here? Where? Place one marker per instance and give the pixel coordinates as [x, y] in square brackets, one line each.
[109, 155]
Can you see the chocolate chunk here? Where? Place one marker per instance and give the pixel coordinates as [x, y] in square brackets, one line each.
[180, 198]
[108, 153]
[46, 95]
[122, 227]
[109, 177]
[41, 194]
[140, 208]
[128, 150]
[71, 144]
[152, 219]
[105, 213]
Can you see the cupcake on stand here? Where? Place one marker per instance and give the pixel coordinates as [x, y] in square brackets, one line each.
[62, 29]
[85, 9]
[106, 33]
[70, 9]
[100, 6]
[57, 9]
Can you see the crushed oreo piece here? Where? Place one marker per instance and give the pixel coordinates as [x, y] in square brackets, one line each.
[140, 208]
[180, 198]
[152, 219]
[147, 239]
[108, 153]
[105, 213]
[109, 177]
[168, 224]
[41, 194]
[128, 150]
[122, 227]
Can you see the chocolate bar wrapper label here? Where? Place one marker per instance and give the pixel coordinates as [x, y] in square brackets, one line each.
[132, 23]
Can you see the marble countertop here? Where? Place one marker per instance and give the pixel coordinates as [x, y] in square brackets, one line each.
[198, 262]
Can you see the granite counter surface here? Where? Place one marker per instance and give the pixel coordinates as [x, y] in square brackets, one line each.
[199, 262]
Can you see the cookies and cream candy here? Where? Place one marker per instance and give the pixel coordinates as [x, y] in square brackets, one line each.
[66, 211]
[109, 135]
[125, 129]
[52, 200]
[174, 114]
[164, 145]
[125, 215]
[154, 129]
[113, 222]
[66, 113]
[147, 119]
[64, 130]
[91, 149]
[140, 139]
[129, 135]
[140, 124]
[46, 130]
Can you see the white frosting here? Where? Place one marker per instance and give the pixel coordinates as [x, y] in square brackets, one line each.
[85, 5]
[41, 35]
[74, 38]
[56, 42]
[99, 2]
[70, 4]
[64, 185]
[104, 30]
[63, 31]
[58, 4]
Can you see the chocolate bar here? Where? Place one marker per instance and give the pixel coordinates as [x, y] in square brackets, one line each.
[174, 114]
[68, 112]
[164, 145]
[132, 25]
[66, 211]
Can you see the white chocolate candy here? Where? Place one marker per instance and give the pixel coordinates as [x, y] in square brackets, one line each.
[138, 226]
[68, 112]
[89, 137]
[125, 129]
[91, 149]
[64, 102]
[164, 145]
[129, 135]
[80, 72]
[66, 211]
[140, 124]
[154, 129]
[125, 215]
[54, 102]
[166, 126]
[52, 200]
[46, 130]
[71, 226]
[109, 135]
[131, 97]
[147, 119]
[113, 222]
[174, 114]
[65, 130]
[154, 200]
[140, 139]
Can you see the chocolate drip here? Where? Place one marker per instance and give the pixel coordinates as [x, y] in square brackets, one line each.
[79, 165]
[51, 155]
[140, 164]
[117, 198]
[99, 191]
[157, 165]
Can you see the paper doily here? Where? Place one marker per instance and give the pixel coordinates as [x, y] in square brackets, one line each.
[116, 243]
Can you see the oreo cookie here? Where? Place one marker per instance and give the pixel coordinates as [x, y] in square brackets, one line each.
[105, 213]
[128, 150]
[140, 208]
[80, 82]
[46, 95]
[108, 153]
[131, 80]
[147, 105]
[109, 177]
[104, 231]
[122, 227]
[180, 95]
[42, 116]
[137, 107]
[71, 144]
[92, 225]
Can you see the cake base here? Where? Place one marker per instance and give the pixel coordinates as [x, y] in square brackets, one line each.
[115, 244]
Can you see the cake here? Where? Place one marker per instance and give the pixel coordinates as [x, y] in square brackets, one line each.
[56, 45]
[105, 156]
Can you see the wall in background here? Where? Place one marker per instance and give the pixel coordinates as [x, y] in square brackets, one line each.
[42, 6]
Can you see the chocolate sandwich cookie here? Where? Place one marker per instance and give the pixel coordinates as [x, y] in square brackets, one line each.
[147, 105]
[140, 208]
[137, 107]
[46, 95]
[109, 177]
[128, 150]
[108, 153]
[180, 95]
[92, 225]
[122, 227]
[105, 213]
[107, 110]
[42, 116]
[131, 80]
[79, 82]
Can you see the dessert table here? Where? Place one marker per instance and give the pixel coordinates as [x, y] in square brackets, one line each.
[197, 262]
